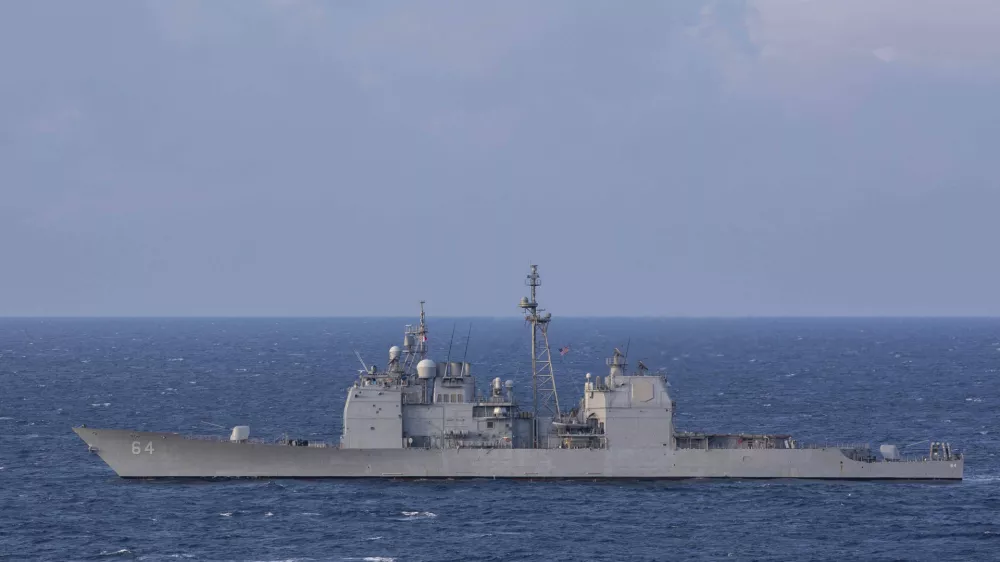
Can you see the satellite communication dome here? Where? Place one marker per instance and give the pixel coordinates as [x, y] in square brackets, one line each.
[426, 369]
[394, 352]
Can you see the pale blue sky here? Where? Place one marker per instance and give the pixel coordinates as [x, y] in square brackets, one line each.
[768, 157]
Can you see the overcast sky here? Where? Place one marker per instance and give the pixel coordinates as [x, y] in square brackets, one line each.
[767, 157]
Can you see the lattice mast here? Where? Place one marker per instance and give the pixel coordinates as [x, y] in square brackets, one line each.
[545, 400]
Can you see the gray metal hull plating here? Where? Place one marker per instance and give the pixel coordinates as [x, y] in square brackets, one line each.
[138, 454]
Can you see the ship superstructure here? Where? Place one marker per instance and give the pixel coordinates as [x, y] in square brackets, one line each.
[418, 418]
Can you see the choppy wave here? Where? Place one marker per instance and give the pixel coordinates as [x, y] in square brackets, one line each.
[67, 504]
[982, 478]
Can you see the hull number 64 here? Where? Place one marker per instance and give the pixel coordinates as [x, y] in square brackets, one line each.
[137, 448]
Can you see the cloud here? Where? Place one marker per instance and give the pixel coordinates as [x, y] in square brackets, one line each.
[953, 34]
[792, 50]
[830, 57]
[885, 54]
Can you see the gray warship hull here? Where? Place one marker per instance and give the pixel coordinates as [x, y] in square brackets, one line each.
[134, 454]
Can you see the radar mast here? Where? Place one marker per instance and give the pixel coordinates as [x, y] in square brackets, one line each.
[415, 342]
[545, 400]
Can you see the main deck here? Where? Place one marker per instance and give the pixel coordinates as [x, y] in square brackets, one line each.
[137, 454]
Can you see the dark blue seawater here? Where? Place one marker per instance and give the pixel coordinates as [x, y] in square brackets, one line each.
[901, 381]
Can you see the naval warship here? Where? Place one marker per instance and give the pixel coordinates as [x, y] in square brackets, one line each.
[418, 418]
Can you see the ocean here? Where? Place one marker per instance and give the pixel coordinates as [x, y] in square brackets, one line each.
[902, 381]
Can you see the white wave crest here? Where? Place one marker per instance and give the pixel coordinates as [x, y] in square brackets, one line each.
[419, 514]
[983, 478]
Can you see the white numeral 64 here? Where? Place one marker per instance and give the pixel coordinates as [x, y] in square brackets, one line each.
[137, 448]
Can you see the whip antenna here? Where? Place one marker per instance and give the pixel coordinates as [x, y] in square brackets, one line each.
[467, 338]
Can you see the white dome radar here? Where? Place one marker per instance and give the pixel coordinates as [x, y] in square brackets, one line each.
[426, 369]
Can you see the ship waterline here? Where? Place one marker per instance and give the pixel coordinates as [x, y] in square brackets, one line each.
[421, 419]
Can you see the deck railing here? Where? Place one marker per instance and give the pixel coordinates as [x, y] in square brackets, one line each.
[258, 440]
[834, 445]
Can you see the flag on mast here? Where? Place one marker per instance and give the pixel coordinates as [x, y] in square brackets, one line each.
[564, 350]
